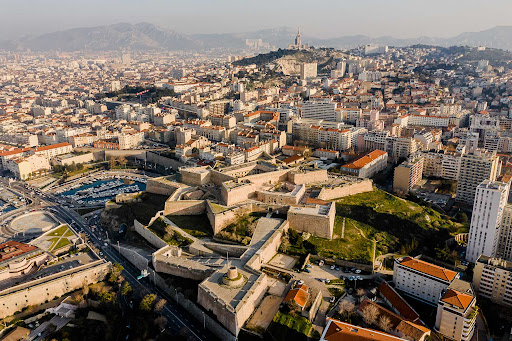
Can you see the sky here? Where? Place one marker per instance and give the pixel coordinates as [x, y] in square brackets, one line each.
[317, 18]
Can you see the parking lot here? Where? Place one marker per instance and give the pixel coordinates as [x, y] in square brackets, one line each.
[331, 272]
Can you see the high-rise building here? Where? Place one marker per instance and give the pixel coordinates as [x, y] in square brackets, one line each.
[476, 167]
[457, 312]
[490, 200]
[319, 109]
[126, 59]
[308, 70]
[492, 278]
[408, 174]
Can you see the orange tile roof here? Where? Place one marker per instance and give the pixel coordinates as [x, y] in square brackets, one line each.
[429, 269]
[298, 295]
[364, 160]
[457, 299]
[341, 331]
[403, 308]
[13, 249]
[52, 146]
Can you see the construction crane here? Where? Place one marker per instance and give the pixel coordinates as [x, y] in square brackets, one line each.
[140, 95]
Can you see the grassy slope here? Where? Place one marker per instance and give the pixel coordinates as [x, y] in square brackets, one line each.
[394, 222]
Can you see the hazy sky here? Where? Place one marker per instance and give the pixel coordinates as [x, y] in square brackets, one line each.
[320, 18]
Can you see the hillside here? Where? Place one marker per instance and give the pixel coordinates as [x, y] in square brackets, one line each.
[146, 36]
[399, 226]
[288, 61]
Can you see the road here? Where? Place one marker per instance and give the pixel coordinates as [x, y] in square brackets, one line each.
[176, 316]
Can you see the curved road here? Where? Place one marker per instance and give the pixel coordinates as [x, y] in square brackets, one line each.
[176, 316]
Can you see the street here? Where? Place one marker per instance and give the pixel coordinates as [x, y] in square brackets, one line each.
[176, 316]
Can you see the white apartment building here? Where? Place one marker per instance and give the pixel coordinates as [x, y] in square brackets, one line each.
[320, 109]
[492, 278]
[457, 312]
[20, 139]
[490, 199]
[308, 70]
[476, 167]
[130, 141]
[421, 280]
[422, 120]
[49, 152]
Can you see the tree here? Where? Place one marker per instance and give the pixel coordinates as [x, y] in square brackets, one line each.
[122, 161]
[385, 323]
[370, 314]
[112, 162]
[115, 272]
[161, 322]
[347, 307]
[147, 302]
[126, 289]
[160, 304]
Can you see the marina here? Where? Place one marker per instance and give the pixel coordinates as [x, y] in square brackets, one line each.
[98, 191]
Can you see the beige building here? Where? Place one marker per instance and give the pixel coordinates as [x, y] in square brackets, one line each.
[476, 167]
[457, 312]
[492, 278]
[408, 174]
[24, 168]
[367, 165]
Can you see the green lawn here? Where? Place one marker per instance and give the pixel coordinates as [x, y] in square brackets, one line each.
[57, 244]
[286, 327]
[196, 225]
[62, 230]
[398, 225]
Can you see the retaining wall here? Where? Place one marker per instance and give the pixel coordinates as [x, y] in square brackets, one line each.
[150, 237]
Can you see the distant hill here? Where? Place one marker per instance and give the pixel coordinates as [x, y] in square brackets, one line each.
[146, 36]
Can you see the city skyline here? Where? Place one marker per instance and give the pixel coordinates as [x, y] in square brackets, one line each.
[398, 18]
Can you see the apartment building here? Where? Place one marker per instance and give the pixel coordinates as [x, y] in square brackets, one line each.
[492, 279]
[408, 173]
[476, 167]
[27, 167]
[504, 250]
[421, 280]
[320, 109]
[367, 165]
[53, 150]
[422, 120]
[308, 70]
[490, 200]
[457, 312]
[442, 164]
[323, 137]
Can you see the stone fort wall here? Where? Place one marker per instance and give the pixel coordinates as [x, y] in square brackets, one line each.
[185, 207]
[345, 190]
[39, 291]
